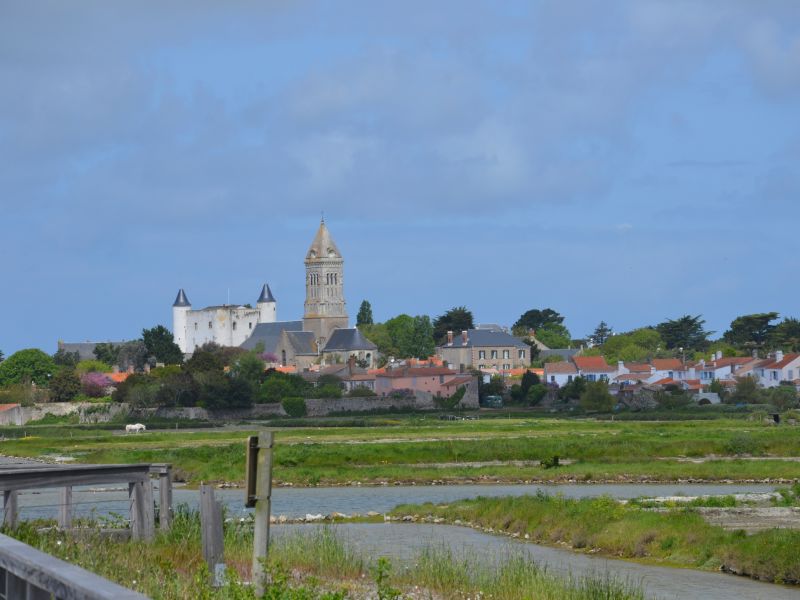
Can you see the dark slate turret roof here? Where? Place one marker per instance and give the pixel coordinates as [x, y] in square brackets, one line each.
[181, 299]
[266, 295]
[344, 340]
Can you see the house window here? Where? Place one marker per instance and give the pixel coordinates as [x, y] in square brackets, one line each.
[553, 378]
[774, 375]
[603, 377]
[481, 353]
[522, 353]
[506, 367]
[790, 375]
[481, 366]
[591, 377]
[494, 353]
[569, 378]
[506, 354]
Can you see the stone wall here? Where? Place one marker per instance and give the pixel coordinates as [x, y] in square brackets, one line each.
[318, 407]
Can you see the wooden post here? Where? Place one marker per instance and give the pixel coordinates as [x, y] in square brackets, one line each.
[10, 508]
[140, 494]
[211, 532]
[149, 511]
[263, 504]
[65, 508]
[165, 499]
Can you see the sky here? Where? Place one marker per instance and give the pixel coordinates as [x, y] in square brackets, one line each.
[625, 161]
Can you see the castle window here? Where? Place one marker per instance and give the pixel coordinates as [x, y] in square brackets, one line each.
[209, 324]
[249, 325]
[234, 325]
[195, 326]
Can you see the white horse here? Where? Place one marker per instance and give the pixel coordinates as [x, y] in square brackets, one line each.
[135, 428]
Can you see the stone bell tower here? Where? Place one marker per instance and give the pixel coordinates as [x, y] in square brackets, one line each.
[325, 306]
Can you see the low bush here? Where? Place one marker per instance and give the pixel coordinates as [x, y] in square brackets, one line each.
[294, 407]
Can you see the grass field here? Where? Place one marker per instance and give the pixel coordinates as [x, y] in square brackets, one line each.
[413, 449]
[171, 568]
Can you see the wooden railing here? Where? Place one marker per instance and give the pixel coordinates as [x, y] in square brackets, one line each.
[28, 574]
[140, 490]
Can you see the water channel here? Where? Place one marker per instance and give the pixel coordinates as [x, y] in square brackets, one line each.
[401, 541]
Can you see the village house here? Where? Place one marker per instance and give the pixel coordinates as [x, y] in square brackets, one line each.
[779, 367]
[484, 349]
[439, 381]
[559, 373]
[594, 368]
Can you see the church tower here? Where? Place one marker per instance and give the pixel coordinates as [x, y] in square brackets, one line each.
[325, 306]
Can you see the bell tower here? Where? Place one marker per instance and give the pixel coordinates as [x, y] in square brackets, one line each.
[325, 306]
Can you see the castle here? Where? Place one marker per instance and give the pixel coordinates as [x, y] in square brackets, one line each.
[323, 335]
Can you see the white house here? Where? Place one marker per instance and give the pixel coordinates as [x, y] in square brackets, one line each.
[781, 367]
[559, 373]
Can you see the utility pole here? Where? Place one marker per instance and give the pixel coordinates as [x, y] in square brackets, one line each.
[259, 495]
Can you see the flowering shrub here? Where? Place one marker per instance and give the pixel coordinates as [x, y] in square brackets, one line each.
[94, 384]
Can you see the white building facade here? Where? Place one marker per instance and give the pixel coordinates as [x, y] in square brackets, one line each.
[226, 325]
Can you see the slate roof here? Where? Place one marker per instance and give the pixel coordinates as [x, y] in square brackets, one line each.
[85, 350]
[482, 338]
[345, 340]
[181, 299]
[270, 334]
[565, 353]
[303, 342]
[266, 295]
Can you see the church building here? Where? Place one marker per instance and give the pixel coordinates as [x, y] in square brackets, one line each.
[323, 336]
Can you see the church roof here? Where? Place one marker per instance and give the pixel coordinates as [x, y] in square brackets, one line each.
[181, 299]
[266, 295]
[323, 245]
[270, 334]
[344, 340]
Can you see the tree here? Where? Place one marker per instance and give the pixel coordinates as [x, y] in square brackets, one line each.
[783, 397]
[62, 358]
[249, 367]
[601, 333]
[786, 335]
[30, 365]
[573, 389]
[457, 319]
[132, 354]
[751, 331]
[421, 343]
[686, 332]
[636, 345]
[746, 392]
[94, 384]
[536, 319]
[177, 389]
[162, 346]
[107, 353]
[64, 385]
[554, 335]
[672, 397]
[597, 397]
[535, 393]
[203, 361]
[2, 356]
[529, 378]
[364, 316]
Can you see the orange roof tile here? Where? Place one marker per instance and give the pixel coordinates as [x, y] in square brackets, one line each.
[779, 364]
[7, 406]
[563, 367]
[666, 364]
[592, 364]
[118, 377]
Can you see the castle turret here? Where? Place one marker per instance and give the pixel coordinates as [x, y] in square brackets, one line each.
[180, 313]
[267, 307]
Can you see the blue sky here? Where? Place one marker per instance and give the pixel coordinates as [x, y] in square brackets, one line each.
[624, 161]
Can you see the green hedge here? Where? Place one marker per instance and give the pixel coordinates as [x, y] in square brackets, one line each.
[294, 407]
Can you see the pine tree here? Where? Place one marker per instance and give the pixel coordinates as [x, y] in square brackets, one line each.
[364, 316]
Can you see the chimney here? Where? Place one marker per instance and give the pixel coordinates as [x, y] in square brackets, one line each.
[778, 355]
[449, 338]
[130, 369]
[620, 366]
[351, 363]
[464, 337]
[718, 355]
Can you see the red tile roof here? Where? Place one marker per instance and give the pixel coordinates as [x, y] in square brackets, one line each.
[7, 406]
[461, 380]
[592, 364]
[666, 364]
[637, 367]
[779, 364]
[665, 381]
[559, 367]
[417, 372]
